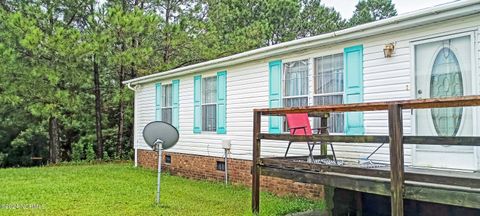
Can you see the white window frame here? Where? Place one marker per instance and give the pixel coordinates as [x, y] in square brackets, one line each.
[284, 88]
[166, 107]
[339, 93]
[311, 87]
[284, 82]
[204, 104]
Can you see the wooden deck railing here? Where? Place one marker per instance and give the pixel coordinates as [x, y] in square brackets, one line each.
[396, 139]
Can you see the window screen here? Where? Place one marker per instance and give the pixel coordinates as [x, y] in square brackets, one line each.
[328, 82]
[209, 104]
[167, 103]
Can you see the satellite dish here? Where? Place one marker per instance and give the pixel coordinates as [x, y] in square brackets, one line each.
[159, 131]
[160, 135]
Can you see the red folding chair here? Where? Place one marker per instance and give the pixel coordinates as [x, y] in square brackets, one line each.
[299, 125]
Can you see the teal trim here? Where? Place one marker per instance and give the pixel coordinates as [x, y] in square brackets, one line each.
[222, 102]
[275, 95]
[158, 102]
[197, 104]
[175, 103]
[353, 64]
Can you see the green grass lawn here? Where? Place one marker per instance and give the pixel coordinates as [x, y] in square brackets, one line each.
[120, 189]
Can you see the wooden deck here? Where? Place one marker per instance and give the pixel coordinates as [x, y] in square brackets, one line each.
[395, 180]
[439, 186]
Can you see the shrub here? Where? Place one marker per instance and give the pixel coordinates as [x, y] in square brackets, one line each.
[90, 153]
[78, 151]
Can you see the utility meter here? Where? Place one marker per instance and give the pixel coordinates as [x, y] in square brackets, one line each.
[227, 144]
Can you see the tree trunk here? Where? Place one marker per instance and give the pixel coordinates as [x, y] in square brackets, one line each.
[54, 140]
[133, 75]
[98, 108]
[166, 51]
[121, 119]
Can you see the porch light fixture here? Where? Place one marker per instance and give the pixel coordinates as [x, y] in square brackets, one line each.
[388, 50]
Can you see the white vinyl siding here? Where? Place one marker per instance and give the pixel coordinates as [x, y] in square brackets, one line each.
[385, 79]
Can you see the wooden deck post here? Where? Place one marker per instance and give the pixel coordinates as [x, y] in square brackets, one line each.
[397, 178]
[329, 199]
[257, 118]
[324, 131]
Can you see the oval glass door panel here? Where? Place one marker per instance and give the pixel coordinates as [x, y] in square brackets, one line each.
[446, 81]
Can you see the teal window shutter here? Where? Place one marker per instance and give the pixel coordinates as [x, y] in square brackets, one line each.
[158, 102]
[175, 102]
[197, 104]
[275, 95]
[353, 60]
[222, 102]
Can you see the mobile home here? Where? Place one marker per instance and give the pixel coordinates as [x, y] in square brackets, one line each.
[434, 52]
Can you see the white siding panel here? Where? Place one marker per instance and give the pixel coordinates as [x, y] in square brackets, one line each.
[145, 111]
[385, 79]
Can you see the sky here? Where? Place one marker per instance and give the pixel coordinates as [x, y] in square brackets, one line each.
[346, 7]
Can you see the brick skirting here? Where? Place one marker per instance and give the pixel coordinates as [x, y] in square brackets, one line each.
[204, 167]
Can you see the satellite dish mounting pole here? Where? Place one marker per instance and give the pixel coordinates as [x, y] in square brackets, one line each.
[160, 136]
[158, 144]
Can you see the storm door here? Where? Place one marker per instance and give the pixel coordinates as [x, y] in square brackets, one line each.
[443, 68]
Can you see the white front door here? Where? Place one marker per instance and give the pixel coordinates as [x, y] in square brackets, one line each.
[443, 68]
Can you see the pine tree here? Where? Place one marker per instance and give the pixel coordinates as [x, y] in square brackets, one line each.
[372, 10]
[63, 62]
[316, 18]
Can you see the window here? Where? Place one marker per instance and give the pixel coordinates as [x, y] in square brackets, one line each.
[296, 84]
[167, 103]
[168, 159]
[446, 81]
[209, 104]
[295, 92]
[327, 84]
[220, 166]
[328, 88]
